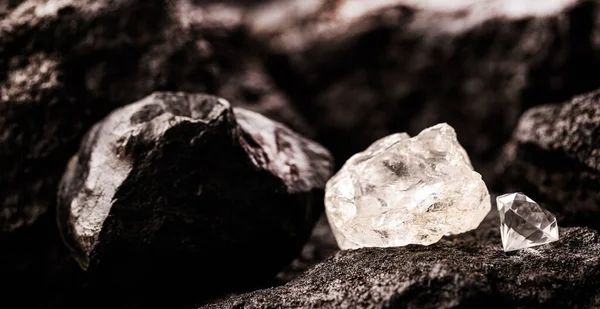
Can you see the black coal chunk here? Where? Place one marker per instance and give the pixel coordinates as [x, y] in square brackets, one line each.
[179, 187]
[466, 271]
[554, 156]
[371, 69]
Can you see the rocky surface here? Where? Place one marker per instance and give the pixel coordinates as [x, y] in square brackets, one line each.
[64, 64]
[554, 156]
[367, 69]
[37, 117]
[467, 271]
[178, 187]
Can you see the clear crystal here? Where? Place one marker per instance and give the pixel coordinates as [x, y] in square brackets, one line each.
[523, 223]
[404, 190]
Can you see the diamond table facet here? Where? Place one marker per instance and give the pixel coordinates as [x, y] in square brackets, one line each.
[523, 223]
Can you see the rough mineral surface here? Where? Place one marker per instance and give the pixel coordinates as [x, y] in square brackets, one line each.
[367, 69]
[468, 271]
[404, 190]
[554, 156]
[180, 186]
[36, 121]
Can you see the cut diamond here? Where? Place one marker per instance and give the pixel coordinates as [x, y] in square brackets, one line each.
[406, 190]
[523, 223]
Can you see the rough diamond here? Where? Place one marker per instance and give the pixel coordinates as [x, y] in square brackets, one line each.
[404, 190]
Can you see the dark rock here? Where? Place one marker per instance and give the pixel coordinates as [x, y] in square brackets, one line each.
[367, 69]
[37, 119]
[554, 156]
[66, 64]
[467, 271]
[180, 187]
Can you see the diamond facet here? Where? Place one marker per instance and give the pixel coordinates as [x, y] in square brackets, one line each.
[523, 223]
[404, 190]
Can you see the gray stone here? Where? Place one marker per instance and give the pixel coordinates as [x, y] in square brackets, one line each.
[554, 156]
[467, 271]
[179, 187]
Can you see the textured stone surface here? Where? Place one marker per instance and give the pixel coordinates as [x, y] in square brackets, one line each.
[37, 118]
[64, 64]
[177, 187]
[367, 69]
[467, 271]
[404, 190]
[554, 156]
[524, 223]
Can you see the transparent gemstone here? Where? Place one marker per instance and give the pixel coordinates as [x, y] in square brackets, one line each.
[404, 190]
[523, 223]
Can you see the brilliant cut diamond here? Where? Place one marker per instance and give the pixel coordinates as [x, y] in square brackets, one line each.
[404, 190]
[523, 223]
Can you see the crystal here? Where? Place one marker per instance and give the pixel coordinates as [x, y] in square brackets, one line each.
[523, 223]
[404, 190]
